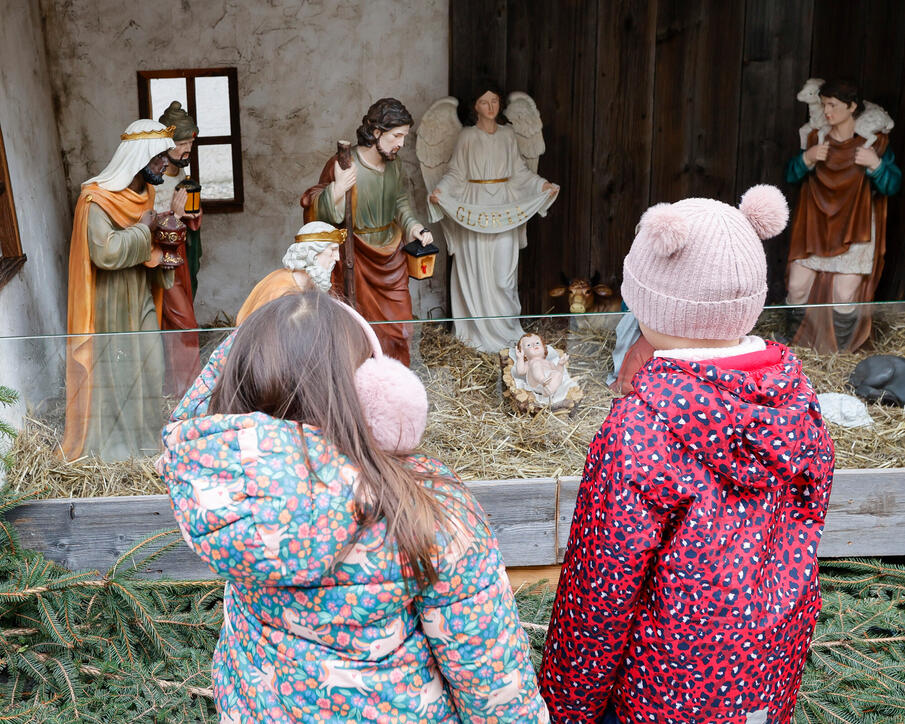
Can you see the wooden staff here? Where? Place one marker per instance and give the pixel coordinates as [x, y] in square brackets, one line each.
[344, 158]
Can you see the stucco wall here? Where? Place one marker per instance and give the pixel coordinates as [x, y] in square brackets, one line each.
[307, 72]
[34, 301]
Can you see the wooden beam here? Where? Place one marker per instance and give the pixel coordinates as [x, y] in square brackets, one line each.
[522, 514]
[866, 515]
[531, 519]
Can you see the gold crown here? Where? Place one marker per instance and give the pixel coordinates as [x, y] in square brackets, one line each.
[337, 236]
[163, 133]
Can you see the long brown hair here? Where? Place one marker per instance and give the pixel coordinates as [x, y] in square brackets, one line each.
[295, 359]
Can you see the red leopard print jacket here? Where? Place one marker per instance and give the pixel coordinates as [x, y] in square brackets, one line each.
[689, 590]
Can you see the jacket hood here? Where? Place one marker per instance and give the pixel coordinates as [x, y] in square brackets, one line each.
[754, 426]
[244, 478]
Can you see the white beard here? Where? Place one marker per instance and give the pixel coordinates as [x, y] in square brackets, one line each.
[320, 276]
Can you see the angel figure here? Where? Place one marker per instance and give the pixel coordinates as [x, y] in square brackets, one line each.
[484, 188]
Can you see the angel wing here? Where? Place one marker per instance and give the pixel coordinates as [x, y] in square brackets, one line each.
[525, 118]
[436, 139]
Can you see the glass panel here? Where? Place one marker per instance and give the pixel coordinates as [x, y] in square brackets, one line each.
[163, 92]
[212, 102]
[215, 171]
[133, 382]
[475, 423]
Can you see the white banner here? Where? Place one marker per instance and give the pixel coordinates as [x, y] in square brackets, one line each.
[498, 217]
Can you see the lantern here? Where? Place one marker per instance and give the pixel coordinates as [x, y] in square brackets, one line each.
[193, 199]
[170, 236]
[420, 259]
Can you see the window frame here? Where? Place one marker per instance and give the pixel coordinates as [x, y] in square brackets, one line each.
[234, 139]
[11, 256]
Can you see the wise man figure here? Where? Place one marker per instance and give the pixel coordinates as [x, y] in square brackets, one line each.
[382, 217]
[180, 347]
[113, 383]
[307, 264]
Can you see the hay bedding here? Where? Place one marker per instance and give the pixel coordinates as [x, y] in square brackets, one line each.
[472, 429]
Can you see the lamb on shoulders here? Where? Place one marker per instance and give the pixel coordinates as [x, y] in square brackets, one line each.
[872, 120]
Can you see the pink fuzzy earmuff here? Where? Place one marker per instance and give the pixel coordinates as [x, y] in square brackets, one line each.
[393, 400]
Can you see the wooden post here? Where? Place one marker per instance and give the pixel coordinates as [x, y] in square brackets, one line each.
[344, 158]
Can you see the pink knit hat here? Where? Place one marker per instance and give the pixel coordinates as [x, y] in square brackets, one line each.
[697, 268]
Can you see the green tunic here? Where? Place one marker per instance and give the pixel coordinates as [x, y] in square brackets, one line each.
[126, 406]
[382, 197]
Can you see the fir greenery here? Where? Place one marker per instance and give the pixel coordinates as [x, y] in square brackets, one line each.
[8, 397]
[111, 647]
[855, 672]
[116, 647]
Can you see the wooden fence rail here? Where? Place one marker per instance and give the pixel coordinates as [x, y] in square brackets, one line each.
[531, 519]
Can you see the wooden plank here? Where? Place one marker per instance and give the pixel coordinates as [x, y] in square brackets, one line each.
[866, 515]
[559, 74]
[91, 533]
[522, 514]
[531, 576]
[866, 518]
[673, 111]
[626, 39]
[838, 39]
[477, 43]
[863, 41]
[775, 65]
[696, 102]
[568, 492]
[717, 95]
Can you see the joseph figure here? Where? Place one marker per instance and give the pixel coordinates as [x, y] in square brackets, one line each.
[113, 383]
[383, 221]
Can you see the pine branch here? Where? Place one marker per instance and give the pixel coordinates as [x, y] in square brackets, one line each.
[165, 685]
[534, 626]
[847, 642]
[147, 542]
[8, 396]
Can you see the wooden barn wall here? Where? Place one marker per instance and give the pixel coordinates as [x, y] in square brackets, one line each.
[646, 101]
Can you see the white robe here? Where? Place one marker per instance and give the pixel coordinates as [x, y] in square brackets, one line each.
[484, 281]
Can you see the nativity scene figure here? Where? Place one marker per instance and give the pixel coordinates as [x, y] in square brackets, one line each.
[382, 219]
[484, 187]
[114, 383]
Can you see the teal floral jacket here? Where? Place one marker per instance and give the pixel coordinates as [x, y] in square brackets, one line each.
[319, 624]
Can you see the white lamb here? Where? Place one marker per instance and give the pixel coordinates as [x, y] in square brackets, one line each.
[810, 94]
[872, 120]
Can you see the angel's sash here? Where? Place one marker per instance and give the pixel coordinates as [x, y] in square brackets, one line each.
[495, 218]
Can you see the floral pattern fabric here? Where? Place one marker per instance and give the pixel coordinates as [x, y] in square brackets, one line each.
[319, 622]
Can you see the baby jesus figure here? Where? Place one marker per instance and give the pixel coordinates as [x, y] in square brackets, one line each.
[531, 362]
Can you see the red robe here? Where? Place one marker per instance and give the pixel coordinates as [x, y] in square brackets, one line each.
[181, 348]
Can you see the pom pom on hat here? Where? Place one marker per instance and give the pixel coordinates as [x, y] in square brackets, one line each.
[766, 210]
[666, 228]
[394, 403]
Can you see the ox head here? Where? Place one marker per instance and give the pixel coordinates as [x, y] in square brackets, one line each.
[585, 295]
